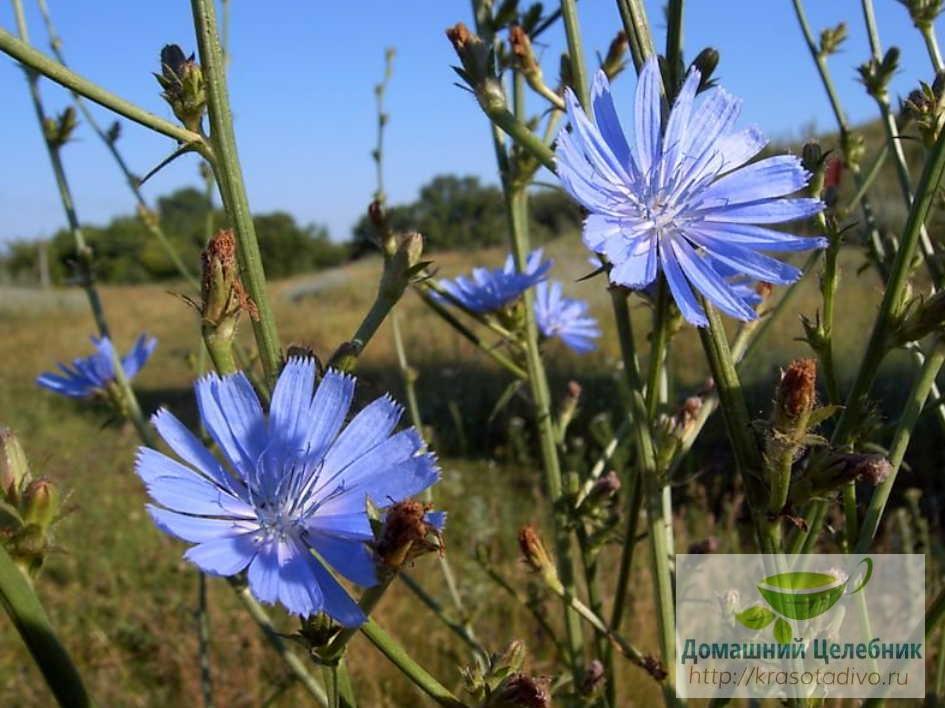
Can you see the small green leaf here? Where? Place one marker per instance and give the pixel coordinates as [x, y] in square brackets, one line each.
[755, 617]
[821, 414]
[782, 631]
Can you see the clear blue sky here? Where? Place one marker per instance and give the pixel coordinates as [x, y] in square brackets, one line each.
[301, 84]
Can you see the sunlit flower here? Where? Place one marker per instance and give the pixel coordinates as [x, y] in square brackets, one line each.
[292, 482]
[92, 374]
[565, 318]
[681, 199]
[490, 289]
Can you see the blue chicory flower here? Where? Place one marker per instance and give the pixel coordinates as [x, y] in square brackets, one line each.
[293, 481]
[92, 374]
[565, 318]
[489, 290]
[682, 200]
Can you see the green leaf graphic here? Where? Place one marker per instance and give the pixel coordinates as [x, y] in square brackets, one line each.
[755, 617]
[782, 631]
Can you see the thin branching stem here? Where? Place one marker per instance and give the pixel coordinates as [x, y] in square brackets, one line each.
[51, 69]
[148, 218]
[230, 180]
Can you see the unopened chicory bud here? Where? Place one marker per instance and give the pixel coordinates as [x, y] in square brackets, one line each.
[706, 63]
[839, 469]
[522, 691]
[920, 318]
[59, 130]
[831, 38]
[474, 55]
[876, 74]
[615, 59]
[41, 504]
[182, 82]
[14, 467]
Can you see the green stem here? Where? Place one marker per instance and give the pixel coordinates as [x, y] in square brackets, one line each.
[651, 486]
[472, 337]
[633, 14]
[295, 664]
[572, 31]
[230, 180]
[867, 178]
[517, 207]
[935, 613]
[460, 629]
[128, 401]
[674, 55]
[28, 616]
[660, 338]
[737, 422]
[918, 396]
[410, 668]
[931, 44]
[496, 109]
[203, 641]
[51, 69]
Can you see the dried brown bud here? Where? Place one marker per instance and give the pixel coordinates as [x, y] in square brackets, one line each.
[614, 61]
[522, 50]
[764, 289]
[223, 295]
[536, 556]
[797, 390]
[473, 54]
[407, 534]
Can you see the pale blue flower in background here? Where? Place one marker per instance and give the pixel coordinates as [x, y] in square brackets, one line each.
[565, 318]
[491, 289]
[681, 200]
[92, 374]
[293, 481]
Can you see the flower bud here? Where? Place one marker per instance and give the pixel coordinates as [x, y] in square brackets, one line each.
[839, 469]
[615, 59]
[522, 691]
[41, 504]
[593, 679]
[404, 253]
[926, 109]
[512, 657]
[58, 130]
[523, 56]
[14, 468]
[113, 133]
[605, 487]
[796, 393]
[923, 12]
[536, 556]
[920, 317]
[222, 293]
[473, 54]
[409, 531]
[181, 79]
[831, 38]
[654, 667]
[876, 74]
[706, 62]
[853, 148]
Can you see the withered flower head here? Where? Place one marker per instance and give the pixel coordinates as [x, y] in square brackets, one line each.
[797, 389]
[410, 530]
[523, 691]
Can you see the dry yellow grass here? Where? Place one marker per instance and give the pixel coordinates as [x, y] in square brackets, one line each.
[115, 586]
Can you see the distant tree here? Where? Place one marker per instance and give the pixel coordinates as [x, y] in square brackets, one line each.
[125, 252]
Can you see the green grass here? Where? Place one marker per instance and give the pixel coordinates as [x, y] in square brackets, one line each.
[123, 600]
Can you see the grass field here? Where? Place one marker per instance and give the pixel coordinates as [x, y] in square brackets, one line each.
[124, 602]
